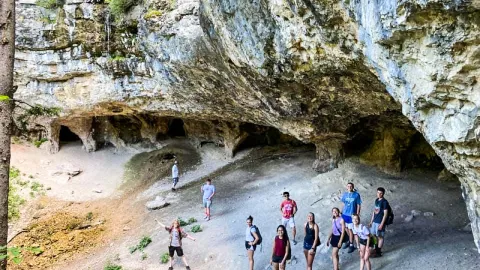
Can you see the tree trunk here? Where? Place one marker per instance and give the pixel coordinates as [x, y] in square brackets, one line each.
[7, 52]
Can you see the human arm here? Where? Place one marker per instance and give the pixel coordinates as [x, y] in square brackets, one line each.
[342, 222]
[385, 213]
[273, 251]
[316, 242]
[357, 240]
[294, 210]
[286, 253]
[329, 238]
[189, 237]
[359, 207]
[255, 235]
[371, 219]
[213, 193]
[161, 224]
[359, 204]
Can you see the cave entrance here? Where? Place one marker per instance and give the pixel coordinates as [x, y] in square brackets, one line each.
[66, 135]
[175, 128]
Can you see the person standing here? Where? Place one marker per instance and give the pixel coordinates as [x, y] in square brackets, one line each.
[175, 174]
[208, 191]
[351, 205]
[288, 209]
[336, 236]
[311, 240]
[362, 237]
[281, 249]
[175, 245]
[377, 222]
[251, 239]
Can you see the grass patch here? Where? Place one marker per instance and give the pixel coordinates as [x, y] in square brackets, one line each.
[164, 257]
[152, 13]
[146, 240]
[89, 216]
[192, 220]
[40, 142]
[111, 266]
[118, 8]
[48, 4]
[196, 229]
[14, 200]
[36, 186]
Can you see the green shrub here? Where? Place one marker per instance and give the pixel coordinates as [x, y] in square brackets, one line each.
[36, 186]
[119, 7]
[89, 216]
[192, 220]
[196, 229]
[14, 172]
[152, 13]
[182, 222]
[48, 4]
[39, 142]
[14, 203]
[146, 240]
[164, 257]
[111, 266]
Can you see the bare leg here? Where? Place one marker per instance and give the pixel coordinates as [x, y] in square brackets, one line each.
[305, 252]
[250, 259]
[184, 260]
[350, 236]
[208, 212]
[335, 258]
[362, 256]
[380, 242]
[275, 266]
[171, 261]
[294, 232]
[310, 258]
[367, 258]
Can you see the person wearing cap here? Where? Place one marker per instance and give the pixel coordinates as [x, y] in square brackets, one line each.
[174, 174]
[288, 209]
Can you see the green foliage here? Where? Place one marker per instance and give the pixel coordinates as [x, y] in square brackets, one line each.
[89, 216]
[48, 20]
[36, 186]
[14, 200]
[39, 142]
[15, 253]
[48, 4]
[14, 173]
[111, 266]
[146, 240]
[36, 111]
[182, 222]
[152, 13]
[116, 58]
[164, 257]
[4, 98]
[119, 7]
[191, 220]
[196, 229]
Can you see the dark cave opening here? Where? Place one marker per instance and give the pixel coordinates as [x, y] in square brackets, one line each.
[66, 135]
[176, 128]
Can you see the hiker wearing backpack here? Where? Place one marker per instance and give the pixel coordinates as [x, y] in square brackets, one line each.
[252, 239]
[288, 207]
[351, 205]
[174, 174]
[311, 240]
[281, 251]
[175, 245]
[362, 237]
[378, 220]
[208, 191]
[336, 236]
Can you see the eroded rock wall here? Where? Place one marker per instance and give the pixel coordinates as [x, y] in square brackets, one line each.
[311, 69]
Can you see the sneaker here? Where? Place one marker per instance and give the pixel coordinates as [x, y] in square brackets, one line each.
[351, 249]
[294, 242]
[170, 268]
[173, 189]
[208, 218]
[188, 268]
[346, 245]
[205, 217]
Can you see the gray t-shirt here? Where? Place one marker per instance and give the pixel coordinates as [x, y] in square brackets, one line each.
[361, 231]
[175, 236]
[208, 190]
[175, 171]
[249, 234]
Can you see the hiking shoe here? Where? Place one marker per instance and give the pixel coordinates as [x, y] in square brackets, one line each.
[351, 249]
[170, 268]
[294, 242]
[205, 217]
[346, 245]
[173, 189]
[188, 268]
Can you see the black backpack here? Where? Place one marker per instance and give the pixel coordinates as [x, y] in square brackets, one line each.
[259, 242]
[390, 215]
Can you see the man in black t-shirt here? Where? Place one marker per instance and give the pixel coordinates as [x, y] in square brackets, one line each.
[377, 222]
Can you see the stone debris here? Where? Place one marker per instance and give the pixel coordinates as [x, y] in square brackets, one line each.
[428, 214]
[158, 203]
[409, 218]
[416, 213]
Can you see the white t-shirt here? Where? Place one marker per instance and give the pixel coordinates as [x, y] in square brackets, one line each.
[249, 234]
[175, 171]
[362, 231]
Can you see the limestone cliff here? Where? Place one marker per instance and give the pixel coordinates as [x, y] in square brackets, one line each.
[311, 69]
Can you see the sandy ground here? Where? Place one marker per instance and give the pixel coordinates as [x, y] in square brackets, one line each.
[252, 185]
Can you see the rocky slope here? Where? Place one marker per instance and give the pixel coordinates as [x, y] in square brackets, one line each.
[319, 72]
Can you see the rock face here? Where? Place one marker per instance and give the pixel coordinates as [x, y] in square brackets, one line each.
[312, 70]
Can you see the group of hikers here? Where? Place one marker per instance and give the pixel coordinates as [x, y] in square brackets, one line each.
[347, 231]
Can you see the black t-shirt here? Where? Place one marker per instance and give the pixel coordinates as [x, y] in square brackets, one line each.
[380, 206]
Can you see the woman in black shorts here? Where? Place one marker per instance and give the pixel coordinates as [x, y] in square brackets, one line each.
[281, 249]
[336, 236]
[175, 245]
[362, 237]
[311, 240]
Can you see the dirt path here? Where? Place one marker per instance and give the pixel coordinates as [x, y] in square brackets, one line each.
[253, 186]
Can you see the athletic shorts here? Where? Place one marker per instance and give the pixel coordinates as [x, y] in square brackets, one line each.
[175, 180]
[334, 241]
[363, 241]
[207, 203]
[374, 230]
[348, 221]
[179, 251]
[288, 221]
[308, 246]
[277, 259]
[248, 247]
